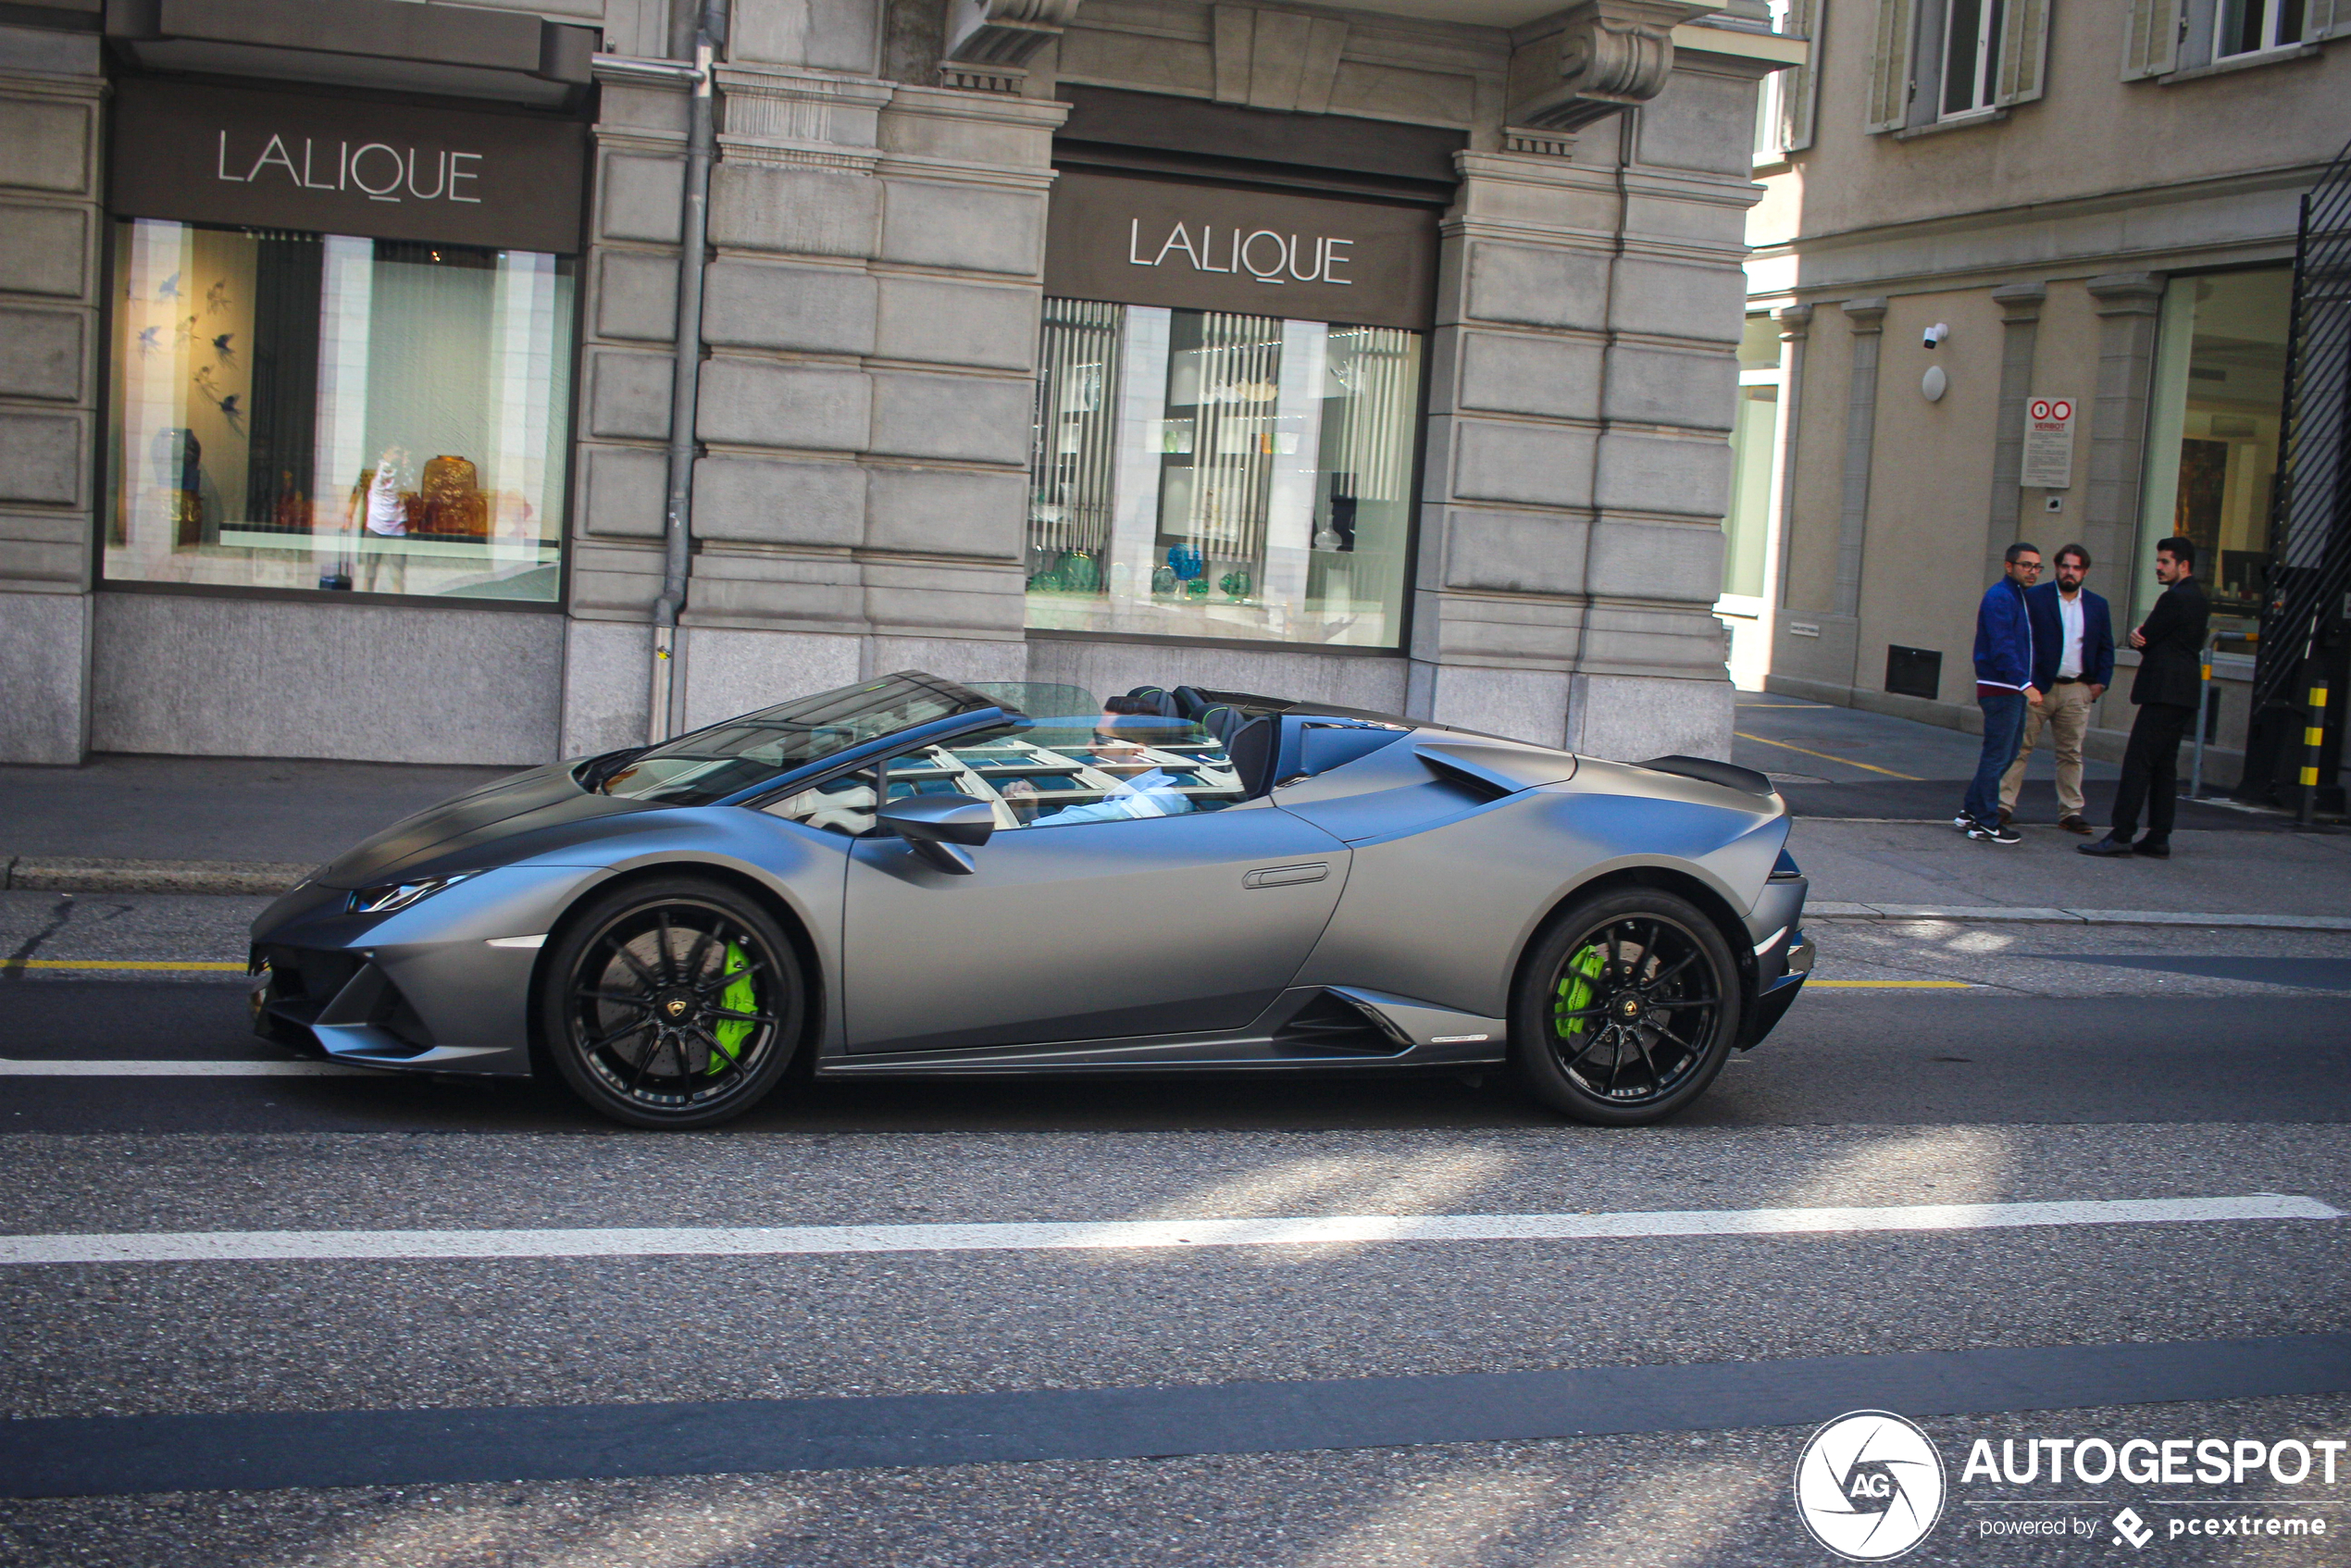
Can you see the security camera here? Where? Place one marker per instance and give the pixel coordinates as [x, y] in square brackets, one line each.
[1937, 332]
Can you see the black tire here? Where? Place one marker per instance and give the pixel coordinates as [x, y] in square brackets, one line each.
[672, 1003]
[1626, 1009]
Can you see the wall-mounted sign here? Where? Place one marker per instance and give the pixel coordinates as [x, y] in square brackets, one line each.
[2048, 444]
[335, 165]
[1260, 253]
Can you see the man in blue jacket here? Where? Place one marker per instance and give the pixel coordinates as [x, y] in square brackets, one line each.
[2004, 690]
[2072, 664]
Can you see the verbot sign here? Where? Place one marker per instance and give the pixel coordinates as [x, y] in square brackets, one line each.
[2048, 444]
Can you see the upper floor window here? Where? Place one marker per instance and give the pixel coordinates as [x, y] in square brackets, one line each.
[1970, 56]
[1935, 60]
[2247, 27]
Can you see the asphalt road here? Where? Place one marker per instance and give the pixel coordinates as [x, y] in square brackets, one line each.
[1310, 1404]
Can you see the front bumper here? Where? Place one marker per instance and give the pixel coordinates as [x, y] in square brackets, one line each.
[442, 986]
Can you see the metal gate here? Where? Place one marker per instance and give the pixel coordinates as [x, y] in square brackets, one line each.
[2295, 749]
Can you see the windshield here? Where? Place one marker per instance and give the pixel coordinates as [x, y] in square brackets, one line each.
[740, 754]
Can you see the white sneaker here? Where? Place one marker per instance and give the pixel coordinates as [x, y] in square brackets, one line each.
[1993, 835]
[1962, 822]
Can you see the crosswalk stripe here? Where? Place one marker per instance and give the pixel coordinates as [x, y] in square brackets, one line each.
[225, 1246]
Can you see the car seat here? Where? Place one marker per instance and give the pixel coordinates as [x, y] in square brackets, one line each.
[1190, 703]
[1221, 719]
[1253, 747]
[1165, 704]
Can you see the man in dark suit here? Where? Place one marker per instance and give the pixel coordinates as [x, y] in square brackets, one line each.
[2170, 684]
[2073, 664]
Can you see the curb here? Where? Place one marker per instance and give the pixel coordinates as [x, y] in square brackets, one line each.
[1982, 914]
[83, 874]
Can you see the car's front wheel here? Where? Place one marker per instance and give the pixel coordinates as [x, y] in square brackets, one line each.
[671, 1004]
[1626, 1008]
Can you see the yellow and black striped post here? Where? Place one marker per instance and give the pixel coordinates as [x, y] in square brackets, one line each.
[2314, 735]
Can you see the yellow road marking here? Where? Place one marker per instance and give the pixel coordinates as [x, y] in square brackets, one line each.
[115, 964]
[1902, 984]
[1828, 757]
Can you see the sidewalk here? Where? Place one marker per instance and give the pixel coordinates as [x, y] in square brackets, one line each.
[224, 825]
[1850, 763]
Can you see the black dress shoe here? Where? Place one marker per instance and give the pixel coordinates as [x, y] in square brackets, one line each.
[2106, 846]
[2152, 850]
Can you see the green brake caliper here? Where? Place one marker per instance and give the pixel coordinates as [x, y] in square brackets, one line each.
[1577, 992]
[740, 996]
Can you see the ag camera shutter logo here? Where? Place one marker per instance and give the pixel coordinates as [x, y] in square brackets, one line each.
[1869, 1486]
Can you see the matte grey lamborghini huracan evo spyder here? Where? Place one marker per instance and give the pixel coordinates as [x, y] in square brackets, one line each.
[910, 876]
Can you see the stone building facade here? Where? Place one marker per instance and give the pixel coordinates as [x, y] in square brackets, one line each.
[412, 502]
[2097, 207]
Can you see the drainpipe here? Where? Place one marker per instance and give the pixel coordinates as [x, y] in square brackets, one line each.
[667, 707]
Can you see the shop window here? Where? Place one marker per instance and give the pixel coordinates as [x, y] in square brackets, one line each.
[2216, 407]
[323, 412]
[1206, 474]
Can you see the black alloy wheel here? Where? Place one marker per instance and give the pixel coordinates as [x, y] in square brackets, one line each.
[1626, 1008]
[676, 1003]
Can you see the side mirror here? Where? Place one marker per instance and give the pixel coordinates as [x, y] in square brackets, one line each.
[934, 826]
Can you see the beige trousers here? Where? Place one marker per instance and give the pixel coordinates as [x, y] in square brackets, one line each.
[2065, 713]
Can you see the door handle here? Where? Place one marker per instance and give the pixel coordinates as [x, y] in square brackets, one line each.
[1283, 876]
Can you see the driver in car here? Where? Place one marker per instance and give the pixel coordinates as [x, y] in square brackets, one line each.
[1144, 787]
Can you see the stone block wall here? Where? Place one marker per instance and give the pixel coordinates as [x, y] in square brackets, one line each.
[50, 250]
[870, 319]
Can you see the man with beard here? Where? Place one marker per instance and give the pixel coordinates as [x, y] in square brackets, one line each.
[2168, 687]
[2072, 664]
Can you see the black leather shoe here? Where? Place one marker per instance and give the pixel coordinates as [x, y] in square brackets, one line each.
[2108, 845]
[2152, 850]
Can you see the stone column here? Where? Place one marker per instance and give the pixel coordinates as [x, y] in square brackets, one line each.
[2128, 305]
[870, 323]
[1578, 460]
[1867, 318]
[50, 243]
[619, 472]
[1796, 329]
[2020, 331]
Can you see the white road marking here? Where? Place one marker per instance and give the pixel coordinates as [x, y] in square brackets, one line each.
[223, 1245]
[16, 1069]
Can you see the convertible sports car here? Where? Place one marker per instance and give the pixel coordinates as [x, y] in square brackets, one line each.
[910, 876]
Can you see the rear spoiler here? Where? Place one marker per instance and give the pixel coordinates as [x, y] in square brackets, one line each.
[1746, 780]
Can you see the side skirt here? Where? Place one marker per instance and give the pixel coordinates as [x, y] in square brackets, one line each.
[1310, 1029]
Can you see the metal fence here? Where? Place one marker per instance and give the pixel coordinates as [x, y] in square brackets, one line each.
[2306, 622]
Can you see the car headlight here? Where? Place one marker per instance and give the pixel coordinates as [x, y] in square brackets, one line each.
[400, 895]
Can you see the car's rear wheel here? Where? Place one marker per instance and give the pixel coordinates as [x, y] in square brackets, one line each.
[1626, 1008]
[675, 1004]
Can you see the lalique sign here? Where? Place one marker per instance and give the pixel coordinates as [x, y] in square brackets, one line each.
[285, 160]
[1256, 252]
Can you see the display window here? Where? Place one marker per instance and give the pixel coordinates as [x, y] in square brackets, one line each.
[1205, 473]
[2217, 410]
[334, 413]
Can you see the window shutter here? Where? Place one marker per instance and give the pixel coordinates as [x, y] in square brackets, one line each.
[1799, 85]
[1890, 108]
[2151, 39]
[2024, 52]
[2325, 18]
